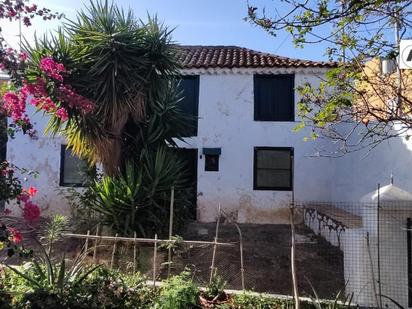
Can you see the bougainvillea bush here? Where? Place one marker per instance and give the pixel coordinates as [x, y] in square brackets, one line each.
[13, 105]
[12, 190]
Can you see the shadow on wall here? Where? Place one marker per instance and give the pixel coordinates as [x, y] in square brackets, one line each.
[358, 173]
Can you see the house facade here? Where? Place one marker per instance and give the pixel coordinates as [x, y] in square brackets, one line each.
[244, 154]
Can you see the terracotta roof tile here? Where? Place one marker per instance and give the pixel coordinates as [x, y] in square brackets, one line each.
[194, 56]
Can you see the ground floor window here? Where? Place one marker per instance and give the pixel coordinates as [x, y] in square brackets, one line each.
[272, 169]
[74, 172]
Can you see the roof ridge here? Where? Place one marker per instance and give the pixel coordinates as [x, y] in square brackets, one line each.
[241, 57]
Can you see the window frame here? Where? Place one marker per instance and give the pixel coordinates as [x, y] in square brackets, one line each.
[197, 86]
[256, 98]
[216, 167]
[63, 148]
[255, 168]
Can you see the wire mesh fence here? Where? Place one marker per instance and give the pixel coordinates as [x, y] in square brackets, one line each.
[368, 247]
[359, 249]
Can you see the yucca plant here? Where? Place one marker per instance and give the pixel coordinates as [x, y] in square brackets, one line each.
[127, 68]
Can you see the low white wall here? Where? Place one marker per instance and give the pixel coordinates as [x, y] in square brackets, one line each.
[360, 255]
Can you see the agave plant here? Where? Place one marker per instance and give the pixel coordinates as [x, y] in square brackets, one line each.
[49, 279]
[138, 200]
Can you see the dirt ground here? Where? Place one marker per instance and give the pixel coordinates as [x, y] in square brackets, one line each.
[266, 254]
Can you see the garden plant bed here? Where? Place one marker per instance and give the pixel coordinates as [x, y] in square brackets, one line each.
[266, 252]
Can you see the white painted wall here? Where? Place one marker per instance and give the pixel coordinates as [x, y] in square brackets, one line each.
[43, 156]
[226, 111]
[226, 121]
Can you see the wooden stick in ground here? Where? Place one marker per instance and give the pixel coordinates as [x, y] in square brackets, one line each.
[86, 244]
[95, 245]
[113, 252]
[292, 257]
[242, 269]
[212, 266]
[169, 255]
[134, 254]
[154, 261]
[146, 240]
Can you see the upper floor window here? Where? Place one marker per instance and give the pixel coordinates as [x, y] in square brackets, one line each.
[189, 86]
[274, 97]
[74, 172]
[273, 168]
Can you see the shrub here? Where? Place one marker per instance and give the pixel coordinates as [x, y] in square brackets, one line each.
[138, 200]
[178, 292]
[110, 289]
[249, 300]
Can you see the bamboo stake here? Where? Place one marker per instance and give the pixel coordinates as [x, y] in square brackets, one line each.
[154, 261]
[95, 245]
[212, 267]
[86, 244]
[372, 270]
[134, 254]
[293, 247]
[169, 255]
[292, 259]
[147, 240]
[113, 252]
[242, 269]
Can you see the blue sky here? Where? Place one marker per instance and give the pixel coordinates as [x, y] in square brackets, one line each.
[197, 22]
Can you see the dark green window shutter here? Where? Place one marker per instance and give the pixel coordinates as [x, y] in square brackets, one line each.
[189, 86]
[274, 97]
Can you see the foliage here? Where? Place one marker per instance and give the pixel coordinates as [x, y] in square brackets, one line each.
[131, 90]
[104, 288]
[262, 301]
[340, 301]
[46, 283]
[355, 105]
[53, 231]
[10, 184]
[11, 188]
[46, 276]
[249, 300]
[138, 201]
[215, 290]
[110, 289]
[10, 59]
[178, 292]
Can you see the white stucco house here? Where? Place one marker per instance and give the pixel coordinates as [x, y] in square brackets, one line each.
[243, 145]
[245, 155]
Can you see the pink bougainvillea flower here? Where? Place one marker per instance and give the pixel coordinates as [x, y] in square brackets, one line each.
[51, 68]
[31, 212]
[32, 191]
[75, 100]
[23, 56]
[62, 114]
[16, 235]
[23, 197]
[6, 211]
